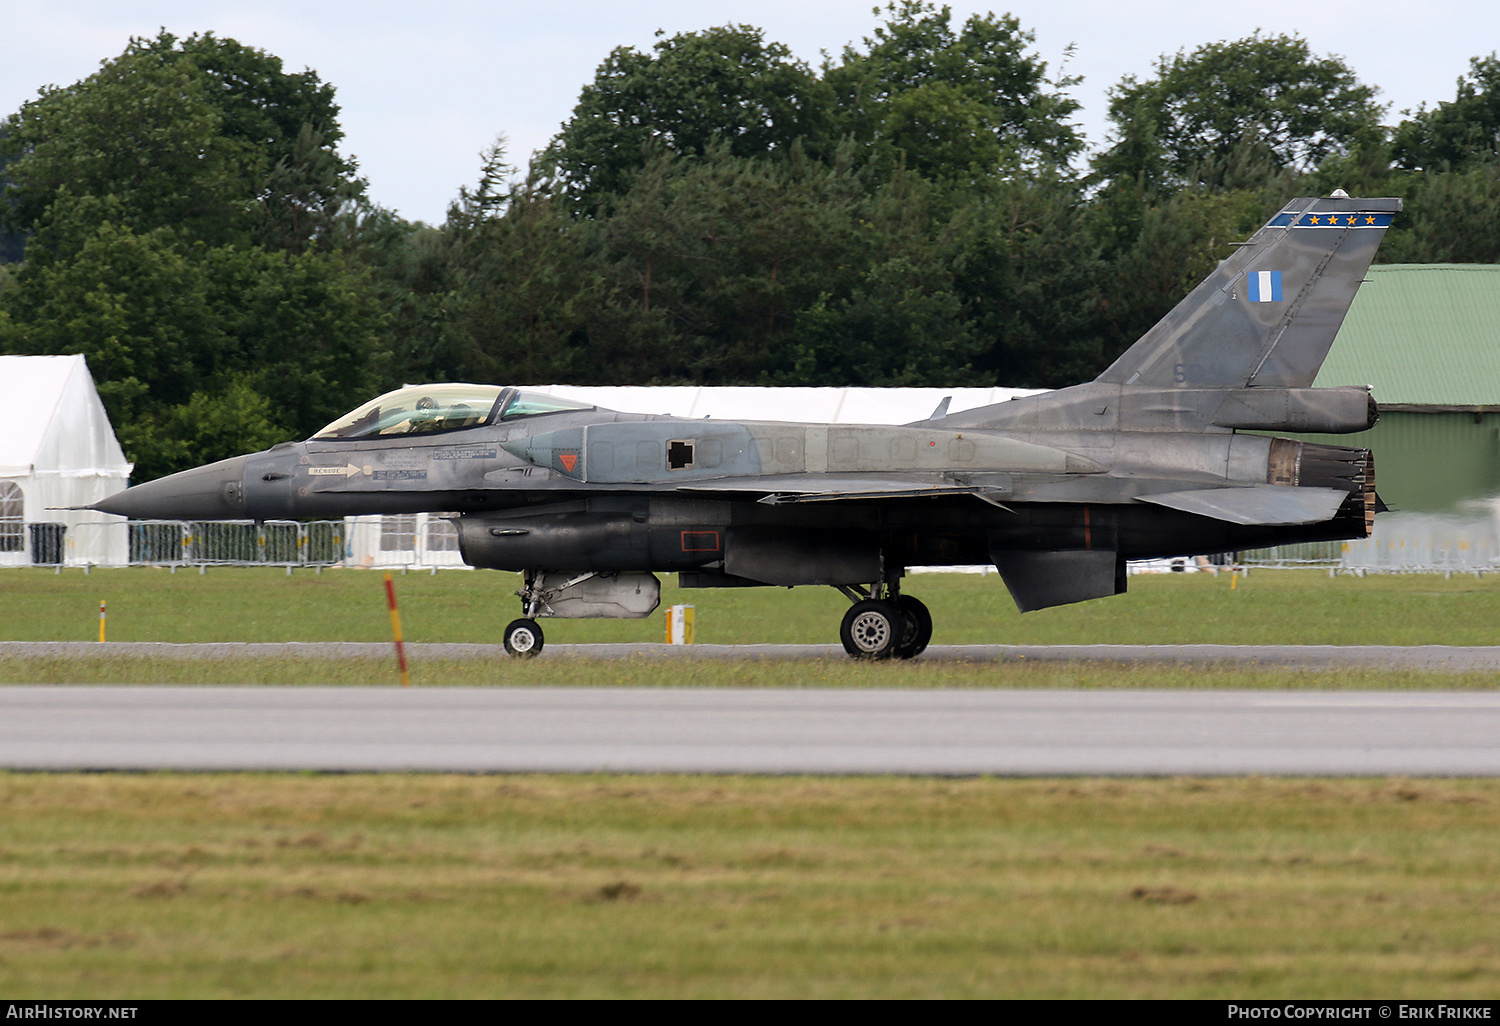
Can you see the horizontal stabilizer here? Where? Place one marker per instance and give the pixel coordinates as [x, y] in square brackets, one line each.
[1269, 505]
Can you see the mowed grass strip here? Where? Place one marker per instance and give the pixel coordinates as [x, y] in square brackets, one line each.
[557, 670]
[243, 885]
[1301, 607]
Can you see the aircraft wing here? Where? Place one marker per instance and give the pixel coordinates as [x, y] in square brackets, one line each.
[1257, 504]
[792, 488]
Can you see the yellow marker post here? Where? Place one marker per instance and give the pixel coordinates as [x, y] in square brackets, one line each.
[390, 594]
[101, 622]
[680, 625]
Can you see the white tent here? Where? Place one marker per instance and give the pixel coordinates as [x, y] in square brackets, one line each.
[57, 449]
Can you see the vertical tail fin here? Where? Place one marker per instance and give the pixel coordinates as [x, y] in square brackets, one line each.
[1268, 314]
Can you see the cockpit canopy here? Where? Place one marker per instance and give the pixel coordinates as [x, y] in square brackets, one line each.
[449, 406]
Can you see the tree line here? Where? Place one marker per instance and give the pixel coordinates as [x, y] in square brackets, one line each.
[918, 210]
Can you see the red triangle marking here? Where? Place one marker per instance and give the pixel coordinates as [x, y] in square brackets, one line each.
[569, 460]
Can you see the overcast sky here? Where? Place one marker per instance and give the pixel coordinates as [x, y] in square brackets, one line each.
[424, 86]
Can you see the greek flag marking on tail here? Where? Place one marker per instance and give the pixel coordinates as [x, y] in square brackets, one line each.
[1263, 286]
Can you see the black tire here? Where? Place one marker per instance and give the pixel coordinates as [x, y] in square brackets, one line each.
[523, 639]
[916, 627]
[871, 629]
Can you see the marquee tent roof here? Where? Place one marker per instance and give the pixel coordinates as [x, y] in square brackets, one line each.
[52, 422]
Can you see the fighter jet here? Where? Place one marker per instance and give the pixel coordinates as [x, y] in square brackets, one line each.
[1171, 451]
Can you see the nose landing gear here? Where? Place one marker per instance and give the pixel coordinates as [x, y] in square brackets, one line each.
[882, 623]
[523, 638]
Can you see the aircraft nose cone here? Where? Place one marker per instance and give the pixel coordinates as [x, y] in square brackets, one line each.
[212, 492]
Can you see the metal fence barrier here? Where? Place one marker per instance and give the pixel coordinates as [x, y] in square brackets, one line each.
[235, 542]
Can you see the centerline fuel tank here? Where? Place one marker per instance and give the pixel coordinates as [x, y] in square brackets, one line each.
[578, 539]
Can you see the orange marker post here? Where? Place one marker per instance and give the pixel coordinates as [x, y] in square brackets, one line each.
[390, 594]
[101, 622]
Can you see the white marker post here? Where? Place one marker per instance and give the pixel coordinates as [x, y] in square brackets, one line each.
[680, 625]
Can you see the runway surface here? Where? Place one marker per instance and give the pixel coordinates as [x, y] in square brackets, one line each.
[1436, 658]
[747, 730]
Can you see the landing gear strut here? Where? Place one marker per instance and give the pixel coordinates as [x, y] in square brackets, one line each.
[523, 638]
[882, 623]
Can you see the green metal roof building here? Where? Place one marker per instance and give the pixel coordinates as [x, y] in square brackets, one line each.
[1427, 338]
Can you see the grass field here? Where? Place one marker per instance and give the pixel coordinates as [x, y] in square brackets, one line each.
[250, 604]
[192, 885]
[166, 885]
[838, 672]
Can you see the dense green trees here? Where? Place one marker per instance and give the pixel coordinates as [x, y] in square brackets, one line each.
[1458, 133]
[723, 86]
[964, 102]
[182, 205]
[1265, 100]
[917, 210]
[715, 211]
[202, 134]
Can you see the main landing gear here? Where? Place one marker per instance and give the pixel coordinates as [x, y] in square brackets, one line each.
[523, 638]
[882, 623]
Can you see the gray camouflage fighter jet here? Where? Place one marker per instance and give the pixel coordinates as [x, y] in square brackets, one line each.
[1153, 458]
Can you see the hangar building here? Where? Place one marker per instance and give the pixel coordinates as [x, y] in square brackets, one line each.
[1427, 338]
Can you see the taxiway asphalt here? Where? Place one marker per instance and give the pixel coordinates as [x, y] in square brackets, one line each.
[1438, 658]
[584, 729]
